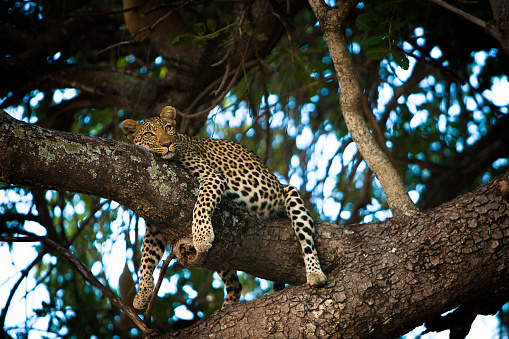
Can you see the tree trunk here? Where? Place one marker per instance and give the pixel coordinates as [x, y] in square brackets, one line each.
[385, 278]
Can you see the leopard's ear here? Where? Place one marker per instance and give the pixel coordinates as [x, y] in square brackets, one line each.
[129, 127]
[169, 113]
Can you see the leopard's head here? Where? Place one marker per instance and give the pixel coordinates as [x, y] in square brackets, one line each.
[157, 134]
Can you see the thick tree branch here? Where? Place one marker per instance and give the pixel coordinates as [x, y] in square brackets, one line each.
[331, 20]
[418, 267]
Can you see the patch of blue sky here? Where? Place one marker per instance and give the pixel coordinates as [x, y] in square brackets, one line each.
[500, 162]
[454, 111]
[415, 100]
[436, 53]
[277, 119]
[183, 313]
[373, 206]
[34, 228]
[331, 146]
[273, 99]
[498, 93]
[34, 102]
[385, 94]
[348, 154]
[442, 123]
[403, 74]
[482, 327]
[459, 146]
[389, 124]
[328, 186]
[296, 180]
[330, 208]
[383, 215]
[114, 260]
[305, 112]
[345, 215]
[291, 129]
[355, 48]
[305, 138]
[439, 89]
[414, 196]
[217, 282]
[475, 135]
[169, 285]
[311, 180]
[419, 118]
[470, 103]
[191, 293]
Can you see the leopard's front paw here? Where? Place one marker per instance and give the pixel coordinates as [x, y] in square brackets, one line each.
[203, 246]
[317, 279]
[142, 299]
[203, 238]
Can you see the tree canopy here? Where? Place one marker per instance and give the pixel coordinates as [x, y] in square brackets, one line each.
[294, 81]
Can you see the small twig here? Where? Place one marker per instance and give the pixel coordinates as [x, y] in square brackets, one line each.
[461, 13]
[129, 42]
[152, 27]
[209, 89]
[131, 313]
[234, 80]
[148, 313]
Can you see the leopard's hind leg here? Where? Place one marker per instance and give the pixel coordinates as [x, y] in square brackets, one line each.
[233, 287]
[154, 245]
[304, 229]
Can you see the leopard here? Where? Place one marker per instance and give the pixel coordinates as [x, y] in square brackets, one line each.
[222, 168]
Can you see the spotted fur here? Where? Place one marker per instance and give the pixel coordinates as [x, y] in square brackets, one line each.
[222, 168]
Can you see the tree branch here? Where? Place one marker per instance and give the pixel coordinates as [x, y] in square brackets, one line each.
[330, 20]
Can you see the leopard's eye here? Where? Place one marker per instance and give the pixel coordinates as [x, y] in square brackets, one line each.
[148, 134]
[168, 128]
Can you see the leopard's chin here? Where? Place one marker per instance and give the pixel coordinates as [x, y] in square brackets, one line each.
[168, 155]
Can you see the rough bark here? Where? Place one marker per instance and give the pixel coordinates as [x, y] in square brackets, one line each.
[385, 278]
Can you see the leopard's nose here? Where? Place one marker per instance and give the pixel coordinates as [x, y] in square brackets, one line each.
[166, 144]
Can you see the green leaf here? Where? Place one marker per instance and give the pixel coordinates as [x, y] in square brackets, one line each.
[372, 41]
[182, 39]
[227, 19]
[211, 25]
[362, 22]
[200, 28]
[378, 51]
[400, 58]
[199, 41]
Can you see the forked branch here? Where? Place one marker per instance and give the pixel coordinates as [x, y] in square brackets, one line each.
[330, 20]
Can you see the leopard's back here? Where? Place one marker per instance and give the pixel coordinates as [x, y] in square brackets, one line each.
[248, 180]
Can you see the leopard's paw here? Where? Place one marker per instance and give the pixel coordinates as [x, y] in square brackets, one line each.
[316, 279]
[203, 238]
[142, 299]
[227, 303]
[202, 246]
